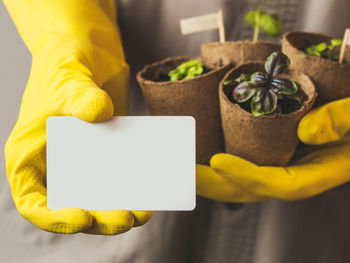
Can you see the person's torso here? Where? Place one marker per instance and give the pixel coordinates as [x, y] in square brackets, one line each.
[257, 233]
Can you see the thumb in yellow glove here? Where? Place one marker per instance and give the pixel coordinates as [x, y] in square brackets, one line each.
[316, 169]
[76, 49]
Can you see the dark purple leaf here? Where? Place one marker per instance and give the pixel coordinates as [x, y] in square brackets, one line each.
[259, 79]
[263, 102]
[284, 86]
[277, 63]
[243, 92]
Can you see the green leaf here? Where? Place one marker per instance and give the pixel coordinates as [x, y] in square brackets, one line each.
[284, 86]
[243, 77]
[336, 42]
[263, 102]
[186, 70]
[233, 82]
[323, 50]
[311, 50]
[230, 82]
[243, 92]
[193, 71]
[250, 18]
[271, 23]
[277, 63]
[321, 47]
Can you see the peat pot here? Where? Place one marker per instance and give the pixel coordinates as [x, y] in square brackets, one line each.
[236, 52]
[332, 79]
[197, 97]
[266, 139]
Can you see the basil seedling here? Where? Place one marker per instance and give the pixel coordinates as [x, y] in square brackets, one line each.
[324, 50]
[271, 23]
[187, 70]
[263, 90]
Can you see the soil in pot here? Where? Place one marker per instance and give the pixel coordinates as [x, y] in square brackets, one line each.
[332, 79]
[267, 139]
[195, 97]
[236, 52]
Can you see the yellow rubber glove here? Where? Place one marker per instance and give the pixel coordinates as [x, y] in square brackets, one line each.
[317, 168]
[76, 50]
[211, 184]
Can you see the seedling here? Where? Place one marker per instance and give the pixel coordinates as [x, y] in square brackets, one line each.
[187, 70]
[264, 90]
[324, 50]
[271, 23]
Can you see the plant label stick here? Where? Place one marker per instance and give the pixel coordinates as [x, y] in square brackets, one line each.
[204, 23]
[221, 26]
[346, 41]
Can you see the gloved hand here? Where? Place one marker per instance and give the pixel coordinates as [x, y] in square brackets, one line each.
[76, 50]
[317, 168]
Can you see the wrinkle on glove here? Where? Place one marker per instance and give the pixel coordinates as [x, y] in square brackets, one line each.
[317, 168]
[78, 69]
[211, 184]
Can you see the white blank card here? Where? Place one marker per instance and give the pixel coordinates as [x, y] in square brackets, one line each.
[133, 163]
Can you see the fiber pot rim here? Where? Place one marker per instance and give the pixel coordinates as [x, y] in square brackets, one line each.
[309, 100]
[141, 74]
[286, 39]
[228, 43]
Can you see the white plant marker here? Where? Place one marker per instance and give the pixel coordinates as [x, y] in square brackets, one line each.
[346, 41]
[204, 23]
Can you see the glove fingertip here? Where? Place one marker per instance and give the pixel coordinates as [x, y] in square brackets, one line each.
[142, 217]
[93, 105]
[219, 157]
[314, 131]
[110, 222]
[228, 161]
[68, 221]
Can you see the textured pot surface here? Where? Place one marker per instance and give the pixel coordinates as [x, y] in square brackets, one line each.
[332, 79]
[267, 139]
[236, 52]
[197, 97]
